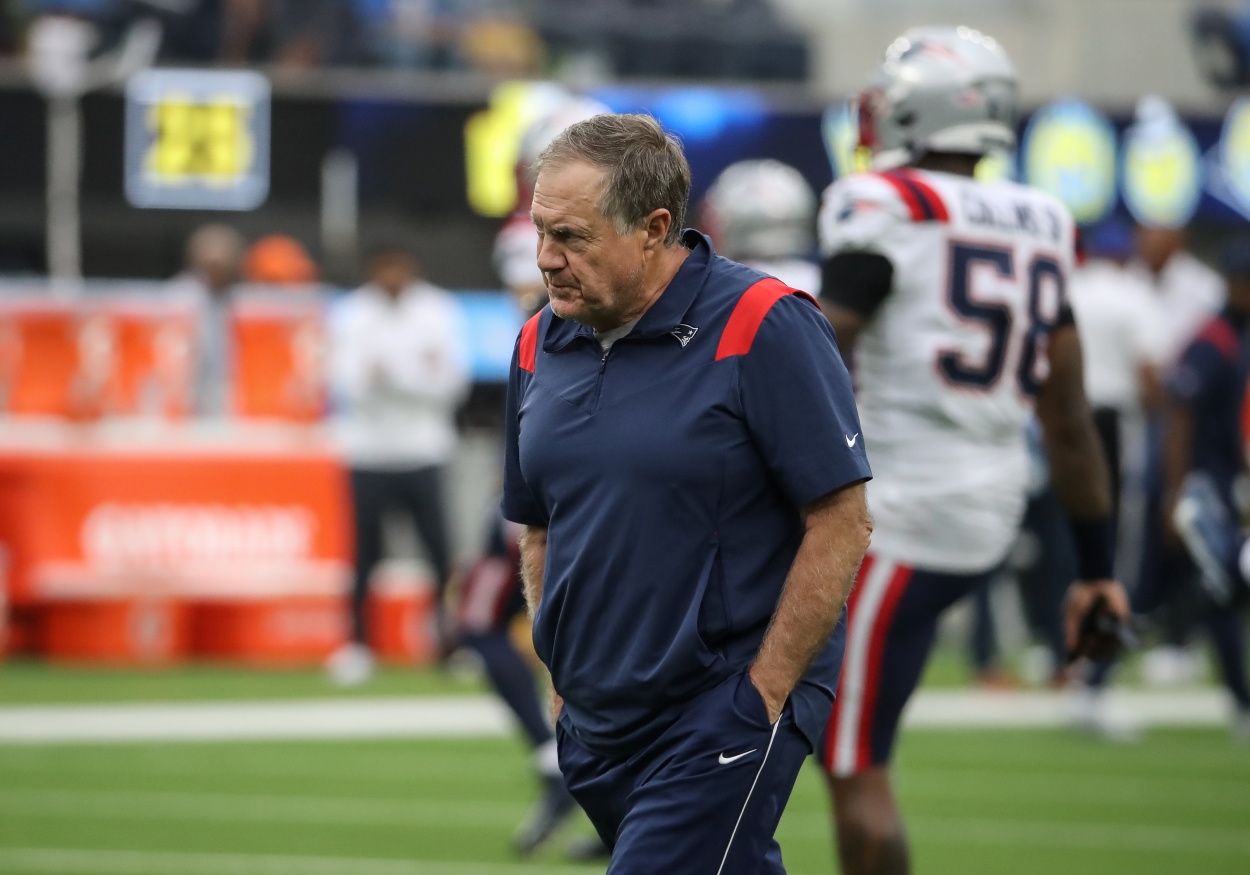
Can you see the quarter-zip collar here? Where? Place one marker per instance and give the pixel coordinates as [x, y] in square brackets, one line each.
[668, 311]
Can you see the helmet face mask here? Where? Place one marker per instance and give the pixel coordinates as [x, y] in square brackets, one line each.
[939, 89]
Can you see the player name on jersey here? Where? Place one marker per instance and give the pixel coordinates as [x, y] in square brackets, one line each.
[1012, 216]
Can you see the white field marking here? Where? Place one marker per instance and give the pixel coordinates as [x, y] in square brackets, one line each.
[381, 717]
[223, 807]
[485, 717]
[1094, 836]
[977, 709]
[66, 861]
[1047, 834]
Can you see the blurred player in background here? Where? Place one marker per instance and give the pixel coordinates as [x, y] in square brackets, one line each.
[1189, 294]
[491, 598]
[214, 259]
[763, 214]
[516, 246]
[952, 294]
[398, 371]
[1203, 455]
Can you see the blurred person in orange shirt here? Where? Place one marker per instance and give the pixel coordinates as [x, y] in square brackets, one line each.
[214, 258]
[398, 371]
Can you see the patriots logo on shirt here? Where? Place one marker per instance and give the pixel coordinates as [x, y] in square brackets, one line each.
[684, 333]
[855, 206]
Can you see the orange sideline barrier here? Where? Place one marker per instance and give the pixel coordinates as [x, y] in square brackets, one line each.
[279, 351]
[122, 630]
[96, 355]
[132, 516]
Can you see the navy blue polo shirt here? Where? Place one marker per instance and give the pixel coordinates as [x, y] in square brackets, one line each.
[1210, 379]
[669, 474]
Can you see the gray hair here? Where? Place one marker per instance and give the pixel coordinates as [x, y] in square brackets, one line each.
[647, 169]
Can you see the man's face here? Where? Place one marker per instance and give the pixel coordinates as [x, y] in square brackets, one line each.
[392, 272]
[1158, 245]
[592, 273]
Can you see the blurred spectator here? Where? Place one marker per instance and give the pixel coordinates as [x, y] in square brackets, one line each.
[309, 33]
[1188, 294]
[501, 47]
[486, 35]
[397, 372]
[1188, 291]
[202, 31]
[1123, 336]
[701, 39]
[213, 257]
[279, 260]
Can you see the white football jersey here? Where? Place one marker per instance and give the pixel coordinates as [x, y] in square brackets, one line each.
[948, 367]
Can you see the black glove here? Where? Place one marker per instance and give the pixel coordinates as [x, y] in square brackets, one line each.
[1102, 635]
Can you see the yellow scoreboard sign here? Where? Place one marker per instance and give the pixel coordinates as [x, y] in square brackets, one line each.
[197, 139]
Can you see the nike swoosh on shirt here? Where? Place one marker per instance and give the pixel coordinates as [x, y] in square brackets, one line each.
[850, 441]
[724, 760]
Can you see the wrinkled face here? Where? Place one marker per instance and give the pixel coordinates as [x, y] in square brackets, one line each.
[592, 273]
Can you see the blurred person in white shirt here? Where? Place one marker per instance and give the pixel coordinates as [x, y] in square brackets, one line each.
[1187, 294]
[1187, 291]
[1123, 336]
[398, 372]
[214, 259]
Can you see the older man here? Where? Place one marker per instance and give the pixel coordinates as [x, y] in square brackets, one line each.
[684, 451]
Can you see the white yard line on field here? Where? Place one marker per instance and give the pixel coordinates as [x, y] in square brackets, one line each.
[382, 717]
[66, 861]
[485, 717]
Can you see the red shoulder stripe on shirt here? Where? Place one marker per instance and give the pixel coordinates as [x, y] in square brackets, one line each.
[528, 352]
[928, 195]
[1220, 334]
[922, 201]
[906, 193]
[748, 314]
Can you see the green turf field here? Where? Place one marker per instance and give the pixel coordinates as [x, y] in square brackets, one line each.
[977, 801]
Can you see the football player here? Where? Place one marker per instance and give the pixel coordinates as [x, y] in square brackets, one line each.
[951, 293]
[763, 214]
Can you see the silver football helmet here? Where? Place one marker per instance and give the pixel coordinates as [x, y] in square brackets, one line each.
[761, 210]
[564, 112]
[939, 89]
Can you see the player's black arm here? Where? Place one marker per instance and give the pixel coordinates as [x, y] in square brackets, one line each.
[838, 531]
[1079, 475]
[852, 287]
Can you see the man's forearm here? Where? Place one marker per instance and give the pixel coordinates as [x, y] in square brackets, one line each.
[533, 563]
[838, 532]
